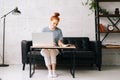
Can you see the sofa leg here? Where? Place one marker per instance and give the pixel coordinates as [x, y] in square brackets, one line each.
[99, 68]
[23, 67]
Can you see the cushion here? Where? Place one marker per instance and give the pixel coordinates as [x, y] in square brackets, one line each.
[82, 44]
[85, 44]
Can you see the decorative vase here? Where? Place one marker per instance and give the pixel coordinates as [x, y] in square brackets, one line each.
[116, 10]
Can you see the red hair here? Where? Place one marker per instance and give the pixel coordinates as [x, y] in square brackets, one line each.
[55, 16]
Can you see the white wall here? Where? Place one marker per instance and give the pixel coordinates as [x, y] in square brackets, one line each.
[35, 15]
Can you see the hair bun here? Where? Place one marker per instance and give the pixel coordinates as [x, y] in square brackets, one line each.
[56, 14]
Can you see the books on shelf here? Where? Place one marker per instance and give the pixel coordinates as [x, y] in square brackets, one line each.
[101, 28]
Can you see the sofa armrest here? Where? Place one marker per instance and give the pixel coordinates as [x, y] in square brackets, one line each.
[93, 45]
[98, 50]
[25, 48]
[99, 54]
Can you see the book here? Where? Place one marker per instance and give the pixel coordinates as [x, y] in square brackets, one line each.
[101, 28]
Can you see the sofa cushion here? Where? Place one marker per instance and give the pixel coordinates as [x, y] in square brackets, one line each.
[85, 44]
[81, 43]
[85, 54]
[36, 57]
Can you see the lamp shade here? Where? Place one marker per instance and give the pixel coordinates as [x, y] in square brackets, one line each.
[16, 11]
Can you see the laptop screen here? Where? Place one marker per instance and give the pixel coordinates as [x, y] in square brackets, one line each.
[42, 39]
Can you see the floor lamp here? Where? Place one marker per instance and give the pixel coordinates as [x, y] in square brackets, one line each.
[14, 11]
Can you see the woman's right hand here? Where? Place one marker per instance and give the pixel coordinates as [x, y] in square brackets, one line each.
[54, 44]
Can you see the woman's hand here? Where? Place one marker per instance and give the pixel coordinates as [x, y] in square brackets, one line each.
[60, 43]
[54, 44]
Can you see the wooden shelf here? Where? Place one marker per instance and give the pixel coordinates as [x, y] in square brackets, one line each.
[111, 46]
[109, 15]
[118, 31]
[109, 0]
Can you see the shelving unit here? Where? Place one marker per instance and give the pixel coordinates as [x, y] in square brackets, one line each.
[108, 16]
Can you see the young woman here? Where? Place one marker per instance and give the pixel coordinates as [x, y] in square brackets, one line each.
[50, 54]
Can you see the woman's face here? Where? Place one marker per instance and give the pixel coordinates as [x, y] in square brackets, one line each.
[53, 24]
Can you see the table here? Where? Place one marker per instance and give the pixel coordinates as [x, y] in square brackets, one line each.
[72, 47]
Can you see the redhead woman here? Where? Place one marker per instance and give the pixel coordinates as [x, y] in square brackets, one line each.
[50, 54]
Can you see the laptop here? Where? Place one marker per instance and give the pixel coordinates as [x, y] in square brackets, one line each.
[42, 39]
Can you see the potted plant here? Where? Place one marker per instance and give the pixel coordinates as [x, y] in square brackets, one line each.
[91, 3]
